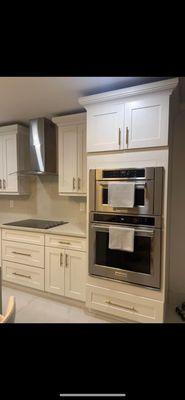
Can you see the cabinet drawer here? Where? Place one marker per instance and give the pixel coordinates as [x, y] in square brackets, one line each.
[23, 253]
[124, 305]
[23, 236]
[68, 242]
[23, 275]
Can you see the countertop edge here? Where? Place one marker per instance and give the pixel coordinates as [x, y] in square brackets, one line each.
[44, 231]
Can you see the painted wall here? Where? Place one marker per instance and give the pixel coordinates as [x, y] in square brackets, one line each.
[43, 202]
[177, 199]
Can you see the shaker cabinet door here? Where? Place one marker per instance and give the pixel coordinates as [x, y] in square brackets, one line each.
[104, 127]
[146, 122]
[75, 274]
[68, 142]
[54, 270]
[10, 182]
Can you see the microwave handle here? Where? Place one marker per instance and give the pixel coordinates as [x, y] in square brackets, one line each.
[139, 232]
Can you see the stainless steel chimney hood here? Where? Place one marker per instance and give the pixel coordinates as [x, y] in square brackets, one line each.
[42, 148]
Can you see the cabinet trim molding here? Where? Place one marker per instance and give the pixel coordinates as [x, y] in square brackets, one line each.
[66, 120]
[167, 84]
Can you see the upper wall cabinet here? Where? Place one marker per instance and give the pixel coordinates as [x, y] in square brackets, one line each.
[135, 117]
[72, 154]
[104, 127]
[14, 156]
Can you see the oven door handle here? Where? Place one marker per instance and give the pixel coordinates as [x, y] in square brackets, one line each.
[139, 232]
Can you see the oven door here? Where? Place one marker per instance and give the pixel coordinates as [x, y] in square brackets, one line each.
[140, 267]
[144, 198]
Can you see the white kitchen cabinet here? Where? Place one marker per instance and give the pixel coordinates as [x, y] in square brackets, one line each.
[14, 150]
[105, 127]
[130, 118]
[72, 154]
[65, 272]
[75, 275]
[146, 122]
[54, 270]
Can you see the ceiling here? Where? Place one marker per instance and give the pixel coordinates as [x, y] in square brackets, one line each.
[23, 98]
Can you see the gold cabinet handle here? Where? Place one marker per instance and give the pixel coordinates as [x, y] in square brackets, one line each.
[64, 242]
[0, 183]
[119, 136]
[25, 276]
[74, 183]
[4, 184]
[127, 133]
[78, 183]
[61, 259]
[21, 254]
[66, 261]
[119, 305]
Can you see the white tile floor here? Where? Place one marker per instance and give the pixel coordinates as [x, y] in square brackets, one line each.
[32, 308]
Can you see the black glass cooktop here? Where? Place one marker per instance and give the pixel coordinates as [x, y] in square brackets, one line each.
[36, 223]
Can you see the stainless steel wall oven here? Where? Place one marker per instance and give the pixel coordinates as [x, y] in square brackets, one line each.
[141, 266]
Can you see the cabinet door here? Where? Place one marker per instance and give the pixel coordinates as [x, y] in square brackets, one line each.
[104, 127]
[10, 183]
[54, 270]
[1, 163]
[82, 159]
[68, 159]
[75, 274]
[146, 122]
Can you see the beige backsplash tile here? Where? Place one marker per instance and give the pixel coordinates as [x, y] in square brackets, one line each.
[43, 202]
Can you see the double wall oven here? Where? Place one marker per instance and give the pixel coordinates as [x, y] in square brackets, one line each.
[142, 265]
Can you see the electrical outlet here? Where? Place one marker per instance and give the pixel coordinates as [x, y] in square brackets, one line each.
[11, 203]
[82, 206]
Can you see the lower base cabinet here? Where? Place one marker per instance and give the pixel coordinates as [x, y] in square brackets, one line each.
[124, 305]
[22, 274]
[65, 272]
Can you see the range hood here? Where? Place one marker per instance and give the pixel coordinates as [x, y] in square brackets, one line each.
[42, 148]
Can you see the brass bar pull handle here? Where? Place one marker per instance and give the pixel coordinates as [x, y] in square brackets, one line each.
[119, 136]
[66, 261]
[4, 184]
[127, 133]
[25, 276]
[64, 242]
[0, 183]
[78, 183]
[21, 254]
[61, 259]
[73, 183]
[119, 305]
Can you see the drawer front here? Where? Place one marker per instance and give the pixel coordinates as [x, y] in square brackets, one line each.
[68, 242]
[23, 275]
[23, 253]
[23, 236]
[123, 305]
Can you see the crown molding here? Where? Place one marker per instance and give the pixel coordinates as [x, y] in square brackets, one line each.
[167, 84]
[9, 128]
[63, 120]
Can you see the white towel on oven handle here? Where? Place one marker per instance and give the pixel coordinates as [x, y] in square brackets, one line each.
[121, 194]
[121, 238]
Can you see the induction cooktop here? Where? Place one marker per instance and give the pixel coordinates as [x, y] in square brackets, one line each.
[36, 223]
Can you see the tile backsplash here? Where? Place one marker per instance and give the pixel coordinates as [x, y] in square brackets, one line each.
[43, 202]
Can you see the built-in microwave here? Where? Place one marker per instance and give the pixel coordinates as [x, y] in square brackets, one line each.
[148, 189]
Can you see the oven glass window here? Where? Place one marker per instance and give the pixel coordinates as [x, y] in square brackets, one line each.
[138, 261]
[138, 201]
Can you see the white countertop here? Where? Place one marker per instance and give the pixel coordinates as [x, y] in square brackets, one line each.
[69, 229]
